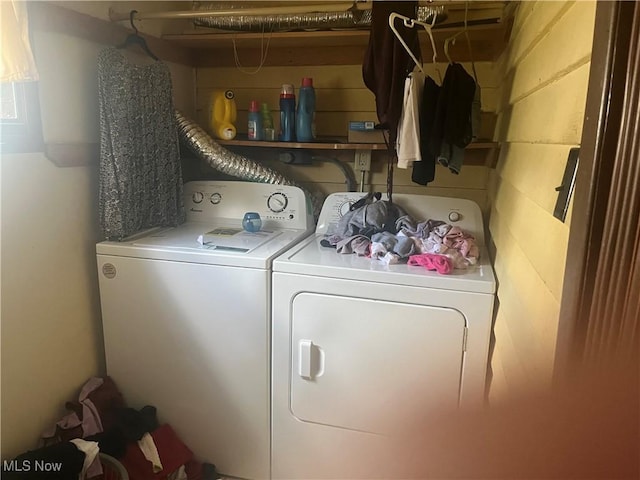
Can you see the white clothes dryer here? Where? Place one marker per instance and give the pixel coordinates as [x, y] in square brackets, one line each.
[362, 350]
[186, 318]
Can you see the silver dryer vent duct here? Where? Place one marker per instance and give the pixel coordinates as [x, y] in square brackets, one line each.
[352, 18]
[229, 163]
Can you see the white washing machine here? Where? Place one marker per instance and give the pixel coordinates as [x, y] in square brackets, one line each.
[363, 351]
[186, 318]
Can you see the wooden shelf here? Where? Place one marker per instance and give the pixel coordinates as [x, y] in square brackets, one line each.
[72, 154]
[481, 153]
[208, 39]
[325, 47]
[203, 37]
[332, 144]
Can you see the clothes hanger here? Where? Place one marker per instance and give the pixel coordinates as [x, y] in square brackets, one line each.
[429, 29]
[466, 34]
[136, 39]
[410, 23]
[452, 40]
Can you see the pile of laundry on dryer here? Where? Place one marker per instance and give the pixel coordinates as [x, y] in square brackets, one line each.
[383, 231]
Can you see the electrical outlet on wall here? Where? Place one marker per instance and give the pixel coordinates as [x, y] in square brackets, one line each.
[363, 160]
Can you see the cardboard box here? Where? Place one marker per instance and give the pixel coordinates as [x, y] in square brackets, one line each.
[364, 132]
[361, 125]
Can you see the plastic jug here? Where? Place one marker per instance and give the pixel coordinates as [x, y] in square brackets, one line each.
[267, 123]
[254, 126]
[305, 115]
[223, 114]
[287, 114]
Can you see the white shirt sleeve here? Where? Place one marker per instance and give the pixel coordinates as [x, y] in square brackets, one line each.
[408, 138]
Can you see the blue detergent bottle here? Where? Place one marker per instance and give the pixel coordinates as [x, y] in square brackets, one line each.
[287, 114]
[305, 115]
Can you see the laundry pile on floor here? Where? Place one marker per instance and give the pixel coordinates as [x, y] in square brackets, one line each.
[100, 422]
[384, 232]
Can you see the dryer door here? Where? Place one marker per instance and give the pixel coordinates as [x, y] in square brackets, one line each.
[372, 366]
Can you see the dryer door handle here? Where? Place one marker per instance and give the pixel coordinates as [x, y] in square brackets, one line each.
[310, 360]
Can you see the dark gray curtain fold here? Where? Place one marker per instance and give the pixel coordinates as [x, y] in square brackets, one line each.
[140, 184]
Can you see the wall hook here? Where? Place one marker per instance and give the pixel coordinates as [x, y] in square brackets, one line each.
[133, 25]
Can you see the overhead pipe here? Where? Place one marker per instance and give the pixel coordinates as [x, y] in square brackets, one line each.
[244, 22]
[327, 15]
[241, 20]
[294, 9]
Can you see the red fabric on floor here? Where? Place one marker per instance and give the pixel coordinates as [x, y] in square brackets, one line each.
[173, 454]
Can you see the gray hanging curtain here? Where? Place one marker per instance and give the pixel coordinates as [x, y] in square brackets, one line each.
[140, 182]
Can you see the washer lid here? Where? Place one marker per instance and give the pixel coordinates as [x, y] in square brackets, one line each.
[311, 258]
[219, 243]
[221, 238]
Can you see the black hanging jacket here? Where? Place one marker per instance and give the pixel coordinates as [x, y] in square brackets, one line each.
[387, 63]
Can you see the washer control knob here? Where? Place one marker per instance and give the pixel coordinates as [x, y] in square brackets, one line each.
[215, 198]
[197, 197]
[277, 202]
[454, 216]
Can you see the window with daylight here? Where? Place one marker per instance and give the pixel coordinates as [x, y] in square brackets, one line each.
[20, 125]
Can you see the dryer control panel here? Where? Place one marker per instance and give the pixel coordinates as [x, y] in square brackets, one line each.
[460, 212]
[279, 206]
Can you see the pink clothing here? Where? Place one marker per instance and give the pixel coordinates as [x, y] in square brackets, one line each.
[78, 426]
[93, 412]
[431, 261]
[459, 246]
[462, 242]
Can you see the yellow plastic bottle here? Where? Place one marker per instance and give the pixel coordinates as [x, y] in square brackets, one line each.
[223, 114]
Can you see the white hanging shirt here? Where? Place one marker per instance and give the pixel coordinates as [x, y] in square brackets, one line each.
[408, 139]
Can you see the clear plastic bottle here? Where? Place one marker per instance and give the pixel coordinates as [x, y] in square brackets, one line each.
[267, 123]
[305, 114]
[287, 114]
[254, 130]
